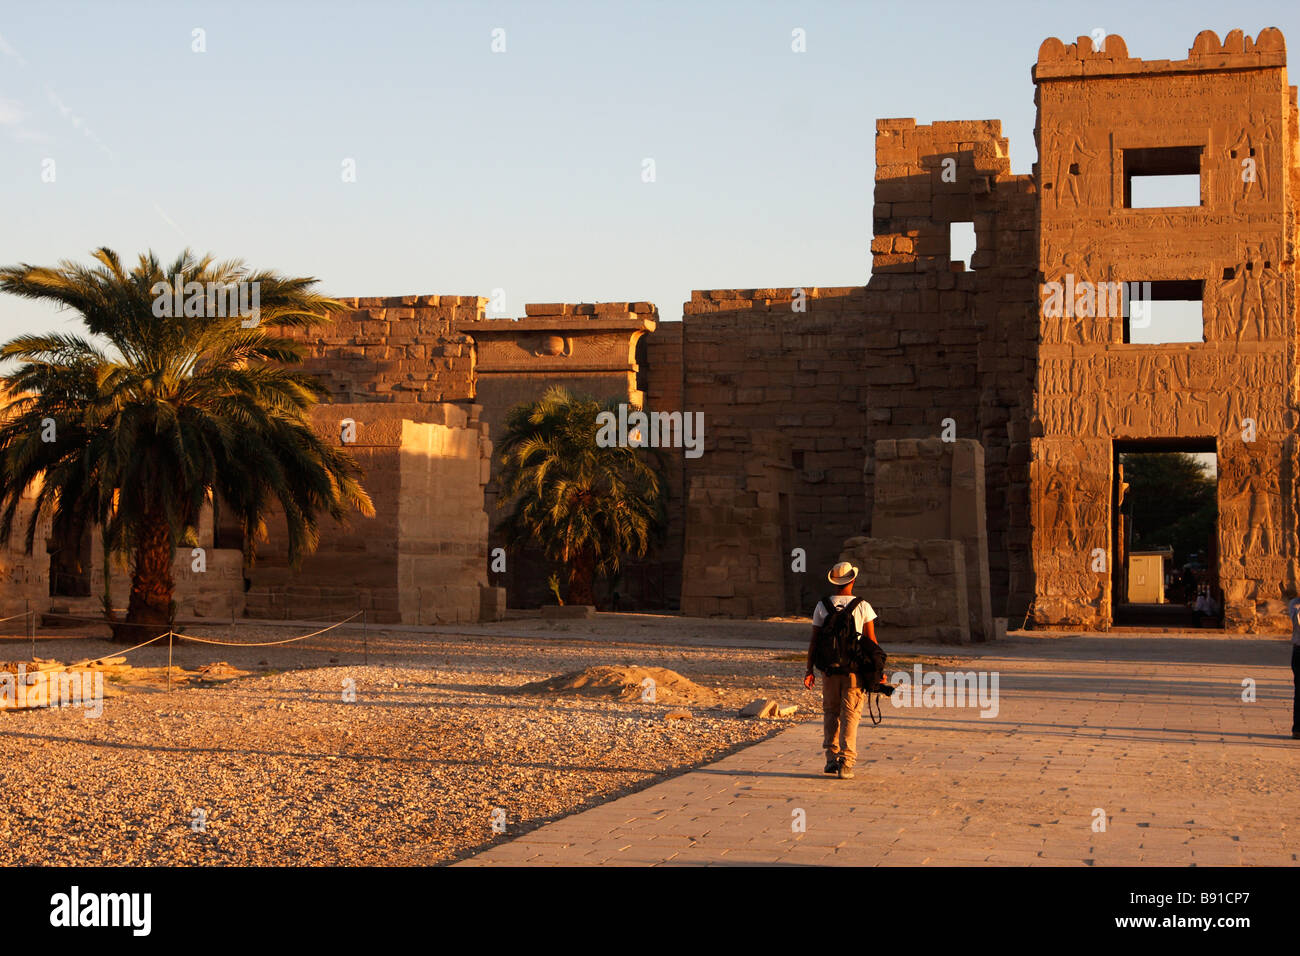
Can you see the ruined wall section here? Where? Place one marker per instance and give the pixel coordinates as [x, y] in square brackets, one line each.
[917, 587]
[944, 342]
[422, 557]
[395, 349]
[25, 578]
[1226, 103]
[793, 360]
[661, 372]
[1291, 294]
[739, 531]
[442, 553]
[208, 588]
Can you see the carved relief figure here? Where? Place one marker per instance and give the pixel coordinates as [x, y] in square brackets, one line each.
[1098, 383]
[1260, 535]
[1270, 290]
[1070, 152]
[1137, 414]
[1248, 181]
[1252, 302]
[1060, 491]
[1256, 487]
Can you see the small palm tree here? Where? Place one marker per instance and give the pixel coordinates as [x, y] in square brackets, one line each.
[139, 424]
[584, 505]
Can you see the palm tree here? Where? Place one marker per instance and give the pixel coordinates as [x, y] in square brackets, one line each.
[584, 505]
[138, 424]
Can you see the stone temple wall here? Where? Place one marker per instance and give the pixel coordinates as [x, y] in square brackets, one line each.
[739, 532]
[395, 349]
[950, 352]
[917, 587]
[25, 578]
[934, 489]
[658, 578]
[930, 349]
[793, 361]
[423, 557]
[1224, 111]
[926, 349]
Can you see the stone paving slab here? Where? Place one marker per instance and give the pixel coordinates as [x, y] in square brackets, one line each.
[1183, 771]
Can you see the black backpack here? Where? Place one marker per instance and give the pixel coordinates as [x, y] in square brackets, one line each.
[871, 665]
[838, 649]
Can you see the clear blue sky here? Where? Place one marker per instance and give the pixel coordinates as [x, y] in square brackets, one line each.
[519, 170]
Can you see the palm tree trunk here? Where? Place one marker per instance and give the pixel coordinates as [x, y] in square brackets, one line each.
[582, 576]
[149, 612]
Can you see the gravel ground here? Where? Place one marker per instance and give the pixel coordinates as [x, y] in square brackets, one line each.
[277, 768]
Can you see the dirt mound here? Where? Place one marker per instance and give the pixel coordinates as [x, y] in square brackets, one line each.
[625, 683]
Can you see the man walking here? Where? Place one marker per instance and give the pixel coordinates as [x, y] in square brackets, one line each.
[839, 621]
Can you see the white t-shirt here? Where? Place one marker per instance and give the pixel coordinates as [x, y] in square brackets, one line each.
[861, 614]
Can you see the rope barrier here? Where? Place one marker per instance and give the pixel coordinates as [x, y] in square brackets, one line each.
[171, 635]
[14, 617]
[119, 653]
[201, 640]
[289, 640]
[102, 620]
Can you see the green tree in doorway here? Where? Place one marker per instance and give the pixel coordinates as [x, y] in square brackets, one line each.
[1171, 501]
[584, 505]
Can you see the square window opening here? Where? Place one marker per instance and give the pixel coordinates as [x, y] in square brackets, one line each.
[1163, 311]
[1162, 177]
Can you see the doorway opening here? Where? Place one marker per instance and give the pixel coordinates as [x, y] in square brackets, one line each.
[1164, 529]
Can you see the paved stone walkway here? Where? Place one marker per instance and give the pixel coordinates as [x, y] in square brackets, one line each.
[1152, 732]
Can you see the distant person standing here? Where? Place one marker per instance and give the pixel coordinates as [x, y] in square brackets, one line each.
[1293, 609]
[839, 621]
[1207, 608]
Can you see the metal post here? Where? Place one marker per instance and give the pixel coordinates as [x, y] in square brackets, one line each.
[169, 662]
[31, 625]
[365, 638]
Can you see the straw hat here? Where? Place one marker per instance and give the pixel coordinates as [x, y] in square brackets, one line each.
[842, 574]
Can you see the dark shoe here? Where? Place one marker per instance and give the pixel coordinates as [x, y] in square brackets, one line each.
[1295, 735]
[832, 766]
[846, 773]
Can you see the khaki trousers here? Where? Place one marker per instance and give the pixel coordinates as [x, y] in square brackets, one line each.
[842, 699]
